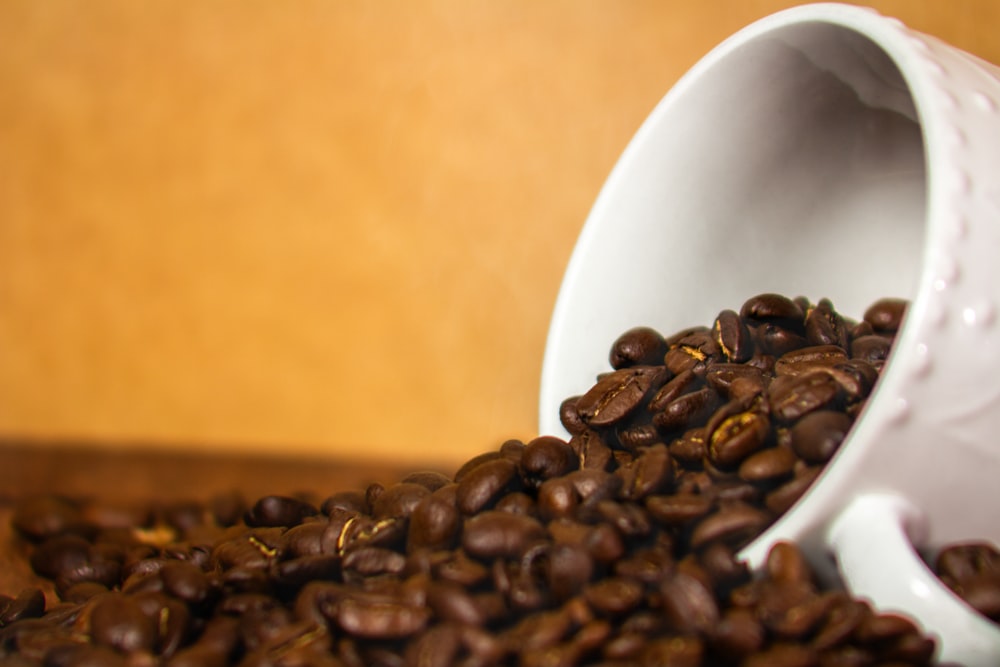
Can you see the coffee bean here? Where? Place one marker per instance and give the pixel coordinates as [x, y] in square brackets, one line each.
[570, 417]
[825, 326]
[613, 596]
[279, 511]
[732, 336]
[767, 465]
[803, 394]
[737, 635]
[736, 437]
[494, 534]
[481, 486]
[734, 523]
[544, 458]
[688, 605]
[117, 620]
[399, 500]
[591, 450]
[816, 437]
[886, 315]
[872, 349]
[806, 359]
[686, 410]
[29, 603]
[640, 346]
[773, 308]
[618, 394]
[679, 508]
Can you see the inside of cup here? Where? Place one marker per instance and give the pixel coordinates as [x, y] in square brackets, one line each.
[790, 162]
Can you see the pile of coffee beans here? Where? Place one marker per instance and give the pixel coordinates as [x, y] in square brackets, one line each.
[972, 571]
[614, 547]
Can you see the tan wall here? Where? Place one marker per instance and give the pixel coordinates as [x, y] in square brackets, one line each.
[317, 227]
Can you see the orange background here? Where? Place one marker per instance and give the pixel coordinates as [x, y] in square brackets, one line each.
[332, 228]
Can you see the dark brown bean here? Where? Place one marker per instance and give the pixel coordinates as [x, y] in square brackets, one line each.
[118, 621]
[732, 336]
[825, 326]
[375, 616]
[687, 410]
[481, 486]
[816, 437]
[803, 394]
[544, 458]
[618, 394]
[872, 349]
[768, 465]
[886, 315]
[494, 534]
[688, 605]
[639, 346]
[279, 511]
[733, 523]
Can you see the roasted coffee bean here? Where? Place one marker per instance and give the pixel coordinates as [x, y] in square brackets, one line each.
[735, 381]
[732, 336]
[434, 524]
[782, 498]
[618, 394]
[816, 437]
[279, 511]
[117, 620]
[737, 436]
[544, 458]
[886, 315]
[480, 487]
[737, 635]
[775, 339]
[679, 508]
[733, 523]
[638, 436]
[591, 450]
[806, 359]
[399, 500]
[651, 472]
[29, 603]
[613, 596]
[306, 539]
[872, 349]
[694, 352]
[773, 308]
[640, 346]
[768, 465]
[688, 605]
[494, 534]
[803, 394]
[825, 326]
[687, 410]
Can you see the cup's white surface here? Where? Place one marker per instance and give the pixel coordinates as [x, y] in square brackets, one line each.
[830, 152]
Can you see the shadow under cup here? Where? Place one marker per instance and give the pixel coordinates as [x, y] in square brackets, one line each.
[800, 157]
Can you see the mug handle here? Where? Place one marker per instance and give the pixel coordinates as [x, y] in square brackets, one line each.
[872, 541]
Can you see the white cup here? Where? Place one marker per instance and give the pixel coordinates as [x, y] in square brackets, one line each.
[827, 151]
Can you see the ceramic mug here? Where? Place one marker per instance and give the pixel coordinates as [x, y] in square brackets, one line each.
[827, 151]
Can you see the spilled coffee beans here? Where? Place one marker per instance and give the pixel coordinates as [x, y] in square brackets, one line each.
[614, 547]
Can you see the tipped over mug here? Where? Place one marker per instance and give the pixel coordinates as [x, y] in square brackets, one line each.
[831, 152]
